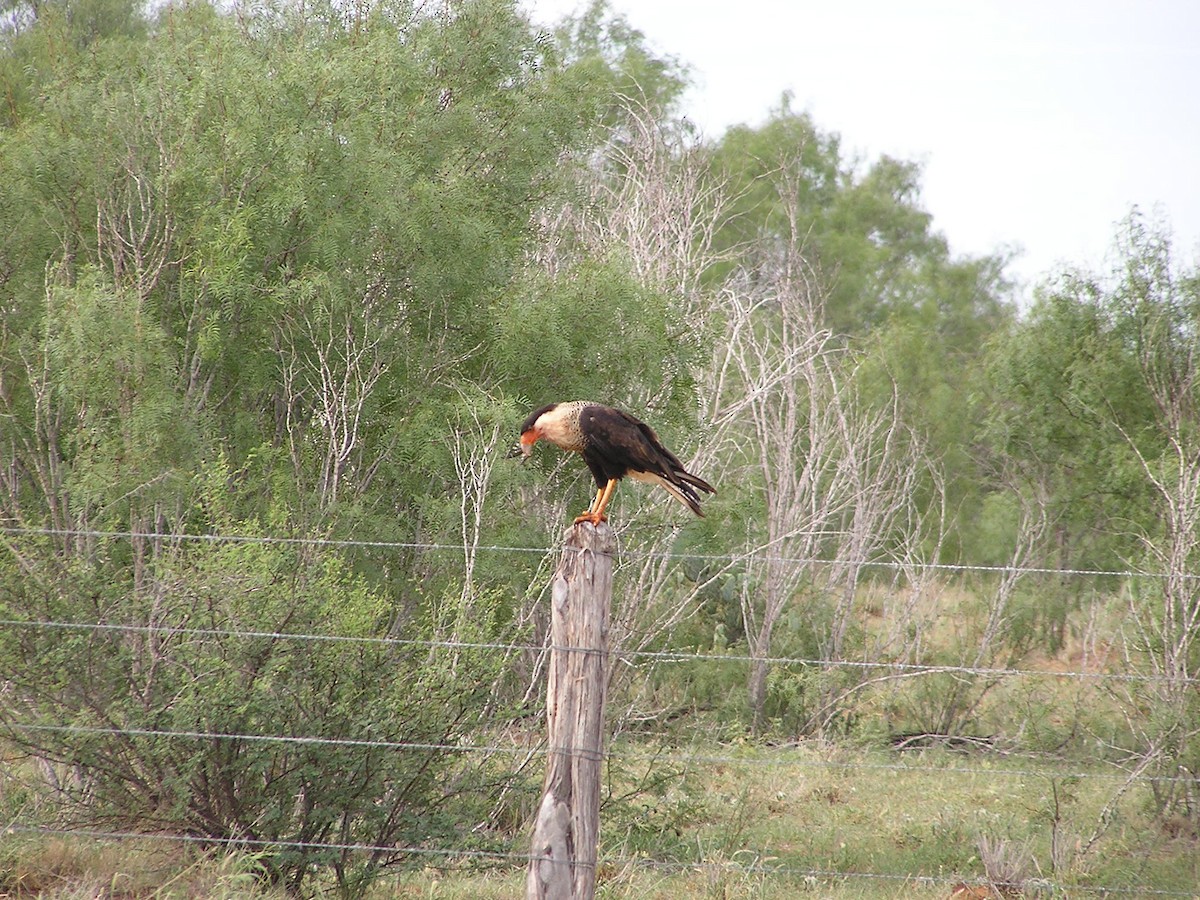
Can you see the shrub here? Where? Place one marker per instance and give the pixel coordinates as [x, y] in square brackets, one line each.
[189, 703]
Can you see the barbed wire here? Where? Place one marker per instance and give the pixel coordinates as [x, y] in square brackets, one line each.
[760, 555]
[627, 755]
[282, 844]
[682, 656]
[367, 743]
[457, 854]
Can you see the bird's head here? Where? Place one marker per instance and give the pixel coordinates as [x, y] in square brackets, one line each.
[531, 432]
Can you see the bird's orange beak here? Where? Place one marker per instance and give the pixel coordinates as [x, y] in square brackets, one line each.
[528, 439]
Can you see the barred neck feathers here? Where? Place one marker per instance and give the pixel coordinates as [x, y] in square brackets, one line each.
[560, 425]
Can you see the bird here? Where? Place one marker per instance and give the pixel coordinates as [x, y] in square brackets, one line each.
[614, 444]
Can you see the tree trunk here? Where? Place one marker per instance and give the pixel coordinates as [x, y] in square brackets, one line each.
[562, 864]
[757, 691]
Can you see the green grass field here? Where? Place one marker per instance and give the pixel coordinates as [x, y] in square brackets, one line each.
[750, 821]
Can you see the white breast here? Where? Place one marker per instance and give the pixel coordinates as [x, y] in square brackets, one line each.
[560, 425]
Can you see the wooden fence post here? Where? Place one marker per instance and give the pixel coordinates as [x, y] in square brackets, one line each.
[562, 864]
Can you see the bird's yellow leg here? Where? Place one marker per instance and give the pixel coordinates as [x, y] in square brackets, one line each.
[595, 515]
[604, 497]
[587, 515]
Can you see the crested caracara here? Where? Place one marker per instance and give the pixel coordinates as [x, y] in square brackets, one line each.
[613, 444]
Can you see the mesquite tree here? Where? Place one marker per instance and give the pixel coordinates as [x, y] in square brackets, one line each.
[1096, 406]
[831, 476]
[249, 263]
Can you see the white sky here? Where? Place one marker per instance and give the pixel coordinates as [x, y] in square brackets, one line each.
[1038, 123]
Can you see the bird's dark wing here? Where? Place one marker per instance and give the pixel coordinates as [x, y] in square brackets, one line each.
[616, 443]
[625, 445]
[658, 460]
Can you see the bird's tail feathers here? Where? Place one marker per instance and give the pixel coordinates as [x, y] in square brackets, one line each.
[680, 490]
[696, 480]
[685, 495]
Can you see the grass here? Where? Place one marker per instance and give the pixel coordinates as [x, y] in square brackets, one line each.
[747, 822]
[811, 811]
[62, 867]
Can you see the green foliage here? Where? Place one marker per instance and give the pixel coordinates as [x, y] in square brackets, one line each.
[605, 40]
[292, 738]
[863, 231]
[254, 270]
[1071, 403]
[293, 177]
[111, 361]
[589, 334]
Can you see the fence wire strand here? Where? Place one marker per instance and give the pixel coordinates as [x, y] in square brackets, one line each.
[680, 656]
[442, 547]
[626, 755]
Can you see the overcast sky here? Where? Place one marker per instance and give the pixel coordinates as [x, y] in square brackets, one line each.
[1038, 123]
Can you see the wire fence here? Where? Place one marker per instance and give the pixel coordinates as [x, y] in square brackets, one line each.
[680, 656]
[780, 757]
[759, 554]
